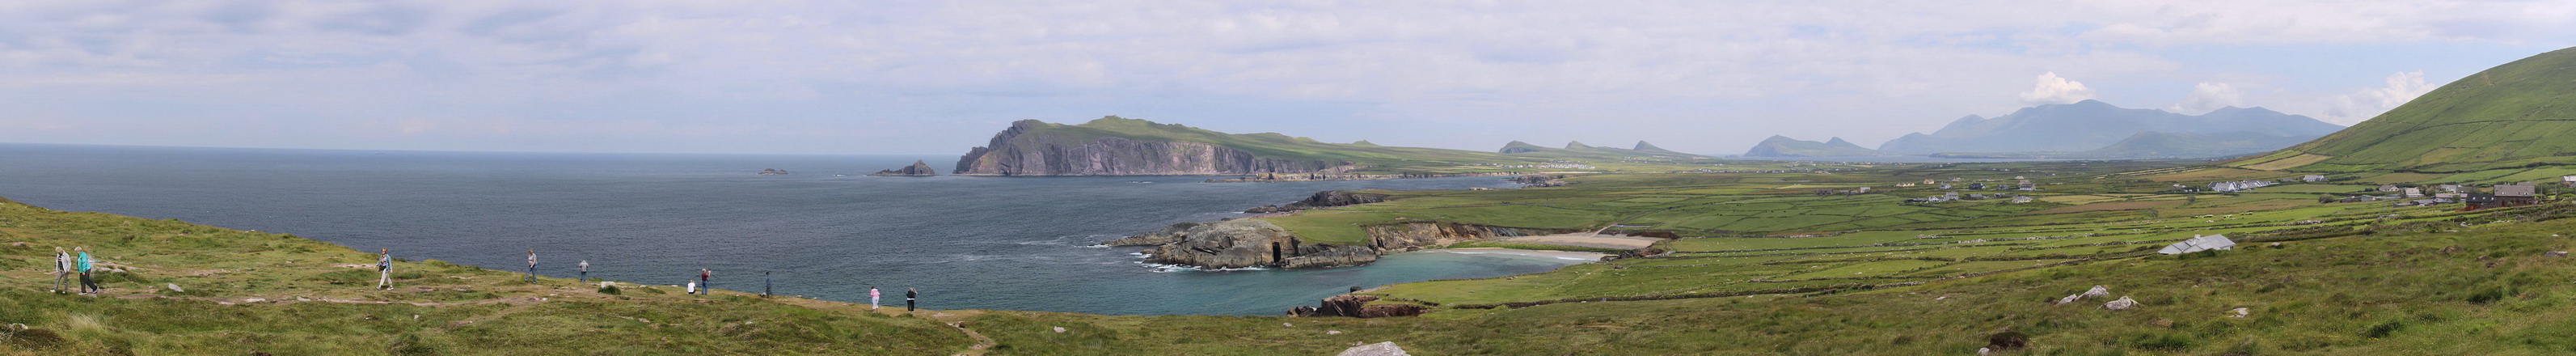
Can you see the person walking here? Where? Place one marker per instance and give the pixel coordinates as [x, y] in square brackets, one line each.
[909, 296]
[767, 285]
[585, 272]
[706, 281]
[62, 270]
[872, 298]
[532, 265]
[384, 269]
[89, 285]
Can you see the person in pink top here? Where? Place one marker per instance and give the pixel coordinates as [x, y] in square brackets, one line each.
[872, 297]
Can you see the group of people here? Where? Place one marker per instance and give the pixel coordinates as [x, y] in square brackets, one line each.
[65, 265]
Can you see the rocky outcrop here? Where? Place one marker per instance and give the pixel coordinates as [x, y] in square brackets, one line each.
[1356, 306]
[1243, 243]
[1323, 199]
[917, 169]
[772, 171]
[1023, 150]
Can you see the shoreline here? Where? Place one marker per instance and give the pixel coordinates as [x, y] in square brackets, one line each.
[1588, 257]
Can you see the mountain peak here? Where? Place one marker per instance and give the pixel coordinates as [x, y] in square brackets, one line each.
[1520, 147]
[1576, 145]
[1643, 146]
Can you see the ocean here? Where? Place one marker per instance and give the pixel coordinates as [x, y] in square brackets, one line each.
[824, 231]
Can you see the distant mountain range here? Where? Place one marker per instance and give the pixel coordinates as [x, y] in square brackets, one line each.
[2086, 129]
[1783, 146]
[2511, 116]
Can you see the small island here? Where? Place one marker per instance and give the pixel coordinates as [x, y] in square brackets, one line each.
[917, 169]
[772, 171]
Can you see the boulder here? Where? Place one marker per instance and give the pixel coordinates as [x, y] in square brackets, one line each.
[1344, 305]
[2124, 303]
[174, 287]
[2095, 292]
[2557, 254]
[2239, 313]
[1377, 349]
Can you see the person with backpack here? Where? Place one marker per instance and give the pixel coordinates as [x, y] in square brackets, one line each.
[384, 269]
[89, 284]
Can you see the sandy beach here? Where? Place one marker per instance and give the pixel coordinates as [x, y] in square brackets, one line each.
[1588, 240]
[1570, 255]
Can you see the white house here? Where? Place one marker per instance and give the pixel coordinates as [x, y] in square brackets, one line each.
[2313, 178]
[2199, 243]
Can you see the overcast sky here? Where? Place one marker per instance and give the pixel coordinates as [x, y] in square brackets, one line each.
[937, 77]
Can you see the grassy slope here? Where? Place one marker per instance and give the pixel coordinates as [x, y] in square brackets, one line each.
[2512, 115]
[1391, 159]
[2407, 288]
[441, 308]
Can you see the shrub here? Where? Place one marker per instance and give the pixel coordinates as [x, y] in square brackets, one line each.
[2384, 329]
[609, 290]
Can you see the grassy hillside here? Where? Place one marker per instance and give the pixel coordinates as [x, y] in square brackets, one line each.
[243, 292]
[1375, 158]
[2513, 115]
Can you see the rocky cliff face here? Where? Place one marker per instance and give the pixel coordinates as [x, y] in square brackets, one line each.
[1024, 150]
[1400, 237]
[917, 169]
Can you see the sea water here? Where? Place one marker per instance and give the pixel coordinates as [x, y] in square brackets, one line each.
[825, 230]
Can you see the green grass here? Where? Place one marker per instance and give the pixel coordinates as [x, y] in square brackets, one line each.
[2509, 116]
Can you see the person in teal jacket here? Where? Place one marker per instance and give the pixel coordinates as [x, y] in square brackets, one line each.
[88, 285]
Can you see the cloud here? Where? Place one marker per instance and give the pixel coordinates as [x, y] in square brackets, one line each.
[2054, 90]
[2207, 96]
[924, 66]
[2355, 107]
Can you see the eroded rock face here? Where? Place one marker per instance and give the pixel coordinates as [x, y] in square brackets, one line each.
[1399, 237]
[1344, 305]
[1016, 152]
[1243, 243]
[1323, 199]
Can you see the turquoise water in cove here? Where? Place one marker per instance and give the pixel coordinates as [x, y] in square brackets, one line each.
[826, 231]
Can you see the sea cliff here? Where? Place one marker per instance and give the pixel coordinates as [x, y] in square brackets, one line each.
[1028, 149]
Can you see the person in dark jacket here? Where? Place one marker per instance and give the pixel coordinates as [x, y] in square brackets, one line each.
[909, 296]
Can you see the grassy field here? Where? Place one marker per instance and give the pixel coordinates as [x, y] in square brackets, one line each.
[2508, 117]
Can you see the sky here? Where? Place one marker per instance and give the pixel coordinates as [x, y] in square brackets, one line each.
[939, 77]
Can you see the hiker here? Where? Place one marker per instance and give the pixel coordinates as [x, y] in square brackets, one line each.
[585, 272]
[705, 281]
[384, 269]
[767, 285]
[908, 296]
[62, 269]
[532, 265]
[89, 285]
[872, 298]
[693, 287]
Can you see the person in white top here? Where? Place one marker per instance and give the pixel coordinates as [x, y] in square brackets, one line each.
[532, 265]
[62, 269]
[585, 272]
